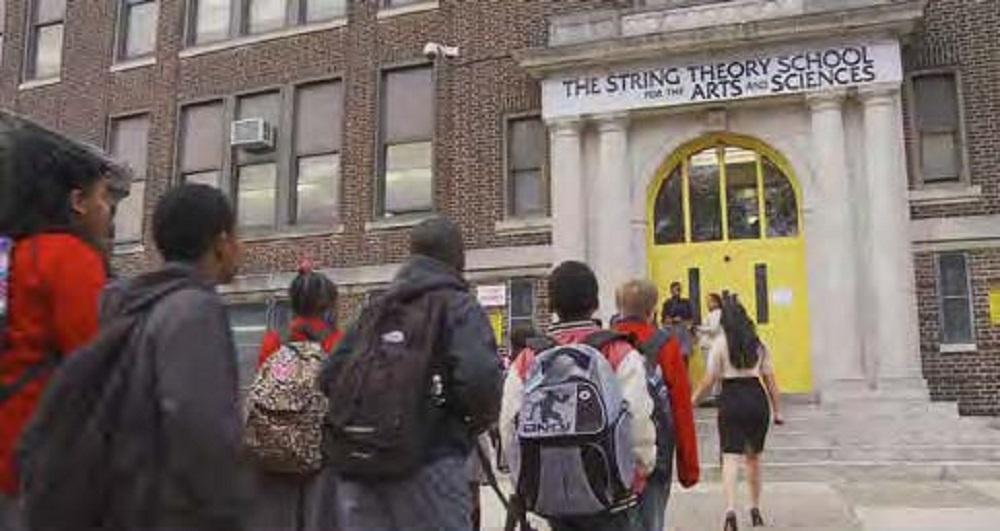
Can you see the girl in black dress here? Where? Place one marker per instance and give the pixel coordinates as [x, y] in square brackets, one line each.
[740, 361]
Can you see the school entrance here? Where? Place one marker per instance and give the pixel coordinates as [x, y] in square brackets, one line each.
[725, 216]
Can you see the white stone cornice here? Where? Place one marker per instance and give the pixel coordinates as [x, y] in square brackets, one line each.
[565, 126]
[879, 94]
[612, 122]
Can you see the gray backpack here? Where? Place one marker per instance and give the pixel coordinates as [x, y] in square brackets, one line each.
[574, 453]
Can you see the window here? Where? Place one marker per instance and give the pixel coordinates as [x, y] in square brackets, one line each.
[759, 198]
[211, 20]
[129, 143]
[522, 304]
[137, 31]
[956, 300]
[318, 132]
[938, 128]
[266, 15]
[45, 39]
[407, 129]
[527, 185]
[257, 172]
[202, 144]
[218, 20]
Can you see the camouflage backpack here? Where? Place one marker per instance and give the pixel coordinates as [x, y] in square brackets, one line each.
[284, 428]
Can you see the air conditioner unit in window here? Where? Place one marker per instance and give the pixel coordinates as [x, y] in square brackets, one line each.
[252, 134]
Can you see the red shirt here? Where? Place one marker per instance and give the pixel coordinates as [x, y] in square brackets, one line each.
[56, 281]
[298, 328]
[675, 375]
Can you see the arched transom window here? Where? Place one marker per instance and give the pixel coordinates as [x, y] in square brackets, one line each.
[715, 195]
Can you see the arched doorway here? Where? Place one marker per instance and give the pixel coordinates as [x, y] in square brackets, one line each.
[725, 215]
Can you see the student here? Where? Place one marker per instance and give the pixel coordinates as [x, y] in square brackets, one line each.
[637, 305]
[573, 293]
[678, 317]
[159, 447]
[56, 204]
[401, 453]
[289, 501]
[743, 365]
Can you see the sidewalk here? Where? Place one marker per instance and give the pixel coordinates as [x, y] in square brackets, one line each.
[834, 506]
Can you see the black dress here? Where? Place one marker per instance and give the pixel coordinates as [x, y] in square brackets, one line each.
[744, 416]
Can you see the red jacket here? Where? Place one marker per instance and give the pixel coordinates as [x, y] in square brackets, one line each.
[56, 281]
[675, 375]
[298, 328]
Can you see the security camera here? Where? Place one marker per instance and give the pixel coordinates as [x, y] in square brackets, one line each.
[433, 50]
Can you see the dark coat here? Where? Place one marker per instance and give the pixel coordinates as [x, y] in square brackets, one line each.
[475, 379]
[180, 433]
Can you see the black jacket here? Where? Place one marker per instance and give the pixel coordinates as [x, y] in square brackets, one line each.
[475, 373]
[180, 432]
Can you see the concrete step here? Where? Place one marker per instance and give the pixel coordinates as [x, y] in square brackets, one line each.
[867, 471]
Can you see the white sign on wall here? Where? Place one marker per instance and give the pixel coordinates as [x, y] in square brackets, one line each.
[762, 72]
[492, 296]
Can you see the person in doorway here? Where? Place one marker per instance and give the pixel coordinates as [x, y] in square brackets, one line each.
[288, 501]
[169, 400]
[740, 362]
[678, 318]
[675, 426]
[56, 204]
[573, 292]
[708, 331]
[401, 457]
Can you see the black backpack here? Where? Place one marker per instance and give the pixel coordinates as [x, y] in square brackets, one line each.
[662, 414]
[66, 451]
[387, 395]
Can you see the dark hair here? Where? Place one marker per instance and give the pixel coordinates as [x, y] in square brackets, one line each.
[39, 170]
[675, 284]
[188, 219]
[312, 293]
[741, 334]
[441, 239]
[519, 336]
[573, 291]
[717, 298]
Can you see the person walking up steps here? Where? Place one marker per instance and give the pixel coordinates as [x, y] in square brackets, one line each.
[412, 384]
[671, 392]
[141, 429]
[285, 412]
[582, 387]
[56, 203]
[740, 361]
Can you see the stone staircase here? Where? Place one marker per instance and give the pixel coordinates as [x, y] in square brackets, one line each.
[885, 439]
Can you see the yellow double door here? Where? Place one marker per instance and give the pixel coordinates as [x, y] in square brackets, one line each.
[768, 277]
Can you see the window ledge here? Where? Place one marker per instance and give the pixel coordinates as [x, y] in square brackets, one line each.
[125, 249]
[532, 225]
[131, 64]
[954, 348]
[35, 83]
[293, 234]
[945, 195]
[391, 12]
[397, 222]
[203, 49]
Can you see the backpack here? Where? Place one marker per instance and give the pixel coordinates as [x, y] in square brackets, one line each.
[387, 395]
[6, 250]
[285, 409]
[662, 413]
[64, 453]
[574, 452]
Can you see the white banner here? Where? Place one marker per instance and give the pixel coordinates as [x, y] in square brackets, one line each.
[767, 72]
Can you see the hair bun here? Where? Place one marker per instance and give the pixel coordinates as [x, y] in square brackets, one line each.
[305, 266]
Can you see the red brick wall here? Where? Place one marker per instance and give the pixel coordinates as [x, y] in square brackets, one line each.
[973, 379]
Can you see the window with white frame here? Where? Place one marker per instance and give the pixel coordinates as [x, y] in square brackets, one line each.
[218, 20]
[406, 153]
[955, 294]
[129, 143]
[527, 185]
[137, 29]
[937, 127]
[256, 173]
[45, 39]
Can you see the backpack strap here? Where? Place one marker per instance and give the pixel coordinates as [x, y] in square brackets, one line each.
[602, 338]
[651, 348]
[541, 344]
